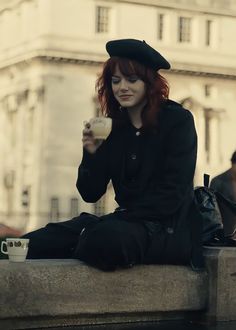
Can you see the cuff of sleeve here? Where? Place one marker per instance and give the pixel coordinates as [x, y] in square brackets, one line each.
[93, 160]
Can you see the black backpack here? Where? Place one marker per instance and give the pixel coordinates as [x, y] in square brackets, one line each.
[218, 214]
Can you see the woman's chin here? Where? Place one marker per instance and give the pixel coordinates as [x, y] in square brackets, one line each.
[126, 104]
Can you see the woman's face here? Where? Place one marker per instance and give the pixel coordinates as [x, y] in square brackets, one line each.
[129, 91]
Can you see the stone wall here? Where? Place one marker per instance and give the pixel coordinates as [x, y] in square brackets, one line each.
[41, 293]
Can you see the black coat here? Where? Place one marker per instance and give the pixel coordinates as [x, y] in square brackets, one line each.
[162, 188]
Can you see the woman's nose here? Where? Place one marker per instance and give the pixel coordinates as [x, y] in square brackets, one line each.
[123, 84]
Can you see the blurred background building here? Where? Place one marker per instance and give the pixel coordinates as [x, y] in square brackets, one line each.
[51, 52]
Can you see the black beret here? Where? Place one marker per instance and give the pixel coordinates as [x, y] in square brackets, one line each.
[137, 50]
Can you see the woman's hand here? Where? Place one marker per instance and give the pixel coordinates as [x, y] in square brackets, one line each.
[89, 142]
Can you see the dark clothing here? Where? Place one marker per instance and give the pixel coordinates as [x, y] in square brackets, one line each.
[107, 242]
[152, 175]
[225, 184]
[158, 184]
[163, 182]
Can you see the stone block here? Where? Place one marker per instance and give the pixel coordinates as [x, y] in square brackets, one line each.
[71, 289]
[221, 267]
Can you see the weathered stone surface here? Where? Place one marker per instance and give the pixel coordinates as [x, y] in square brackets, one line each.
[69, 287]
[40, 293]
[221, 267]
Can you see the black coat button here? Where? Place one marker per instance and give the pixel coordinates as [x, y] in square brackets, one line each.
[170, 230]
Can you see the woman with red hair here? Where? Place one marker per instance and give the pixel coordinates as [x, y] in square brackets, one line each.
[149, 157]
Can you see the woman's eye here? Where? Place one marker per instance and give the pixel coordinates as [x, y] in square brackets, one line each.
[133, 79]
[115, 80]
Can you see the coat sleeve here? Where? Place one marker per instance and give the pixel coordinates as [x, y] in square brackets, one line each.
[176, 183]
[93, 174]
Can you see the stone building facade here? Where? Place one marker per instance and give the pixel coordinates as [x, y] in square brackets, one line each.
[51, 52]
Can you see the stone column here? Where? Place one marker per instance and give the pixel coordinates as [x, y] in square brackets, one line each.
[11, 166]
[214, 141]
[200, 123]
[33, 168]
[201, 136]
[221, 115]
[3, 142]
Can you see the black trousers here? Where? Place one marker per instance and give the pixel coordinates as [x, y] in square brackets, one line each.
[105, 242]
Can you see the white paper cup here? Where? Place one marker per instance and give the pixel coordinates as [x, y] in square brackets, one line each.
[101, 127]
[16, 248]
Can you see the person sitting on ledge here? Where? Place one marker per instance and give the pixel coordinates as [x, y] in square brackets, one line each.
[150, 158]
[225, 183]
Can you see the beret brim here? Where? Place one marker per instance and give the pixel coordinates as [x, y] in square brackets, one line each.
[137, 50]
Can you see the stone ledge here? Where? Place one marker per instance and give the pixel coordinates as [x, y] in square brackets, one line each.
[43, 293]
[59, 288]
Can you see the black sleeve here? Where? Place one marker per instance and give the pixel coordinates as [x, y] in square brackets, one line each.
[176, 180]
[93, 174]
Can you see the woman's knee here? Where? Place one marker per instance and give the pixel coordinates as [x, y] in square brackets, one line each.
[104, 246]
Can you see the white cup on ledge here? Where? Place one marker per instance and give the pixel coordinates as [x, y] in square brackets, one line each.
[16, 248]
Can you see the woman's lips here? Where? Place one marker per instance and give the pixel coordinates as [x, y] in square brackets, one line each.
[124, 97]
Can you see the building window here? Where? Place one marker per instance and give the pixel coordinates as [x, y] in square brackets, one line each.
[184, 29]
[160, 27]
[54, 209]
[208, 32]
[100, 206]
[208, 90]
[74, 207]
[102, 19]
[25, 197]
[9, 179]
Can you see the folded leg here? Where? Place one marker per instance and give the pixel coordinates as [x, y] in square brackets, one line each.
[58, 240]
[113, 243]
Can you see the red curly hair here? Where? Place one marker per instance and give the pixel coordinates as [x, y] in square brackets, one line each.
[156, 86]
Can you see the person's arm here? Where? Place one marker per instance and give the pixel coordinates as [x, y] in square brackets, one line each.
[93, 174]
[171, 190]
